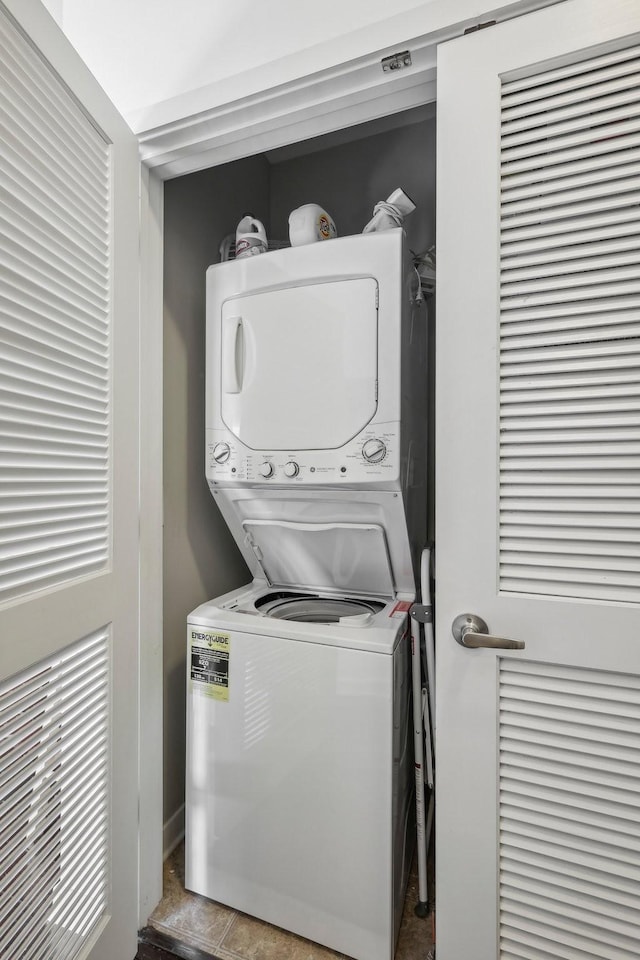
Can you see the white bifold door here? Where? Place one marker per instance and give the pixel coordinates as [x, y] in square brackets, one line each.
[69, 181]
[538, 487]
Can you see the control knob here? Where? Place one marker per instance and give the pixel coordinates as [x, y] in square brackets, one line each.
[266, 469]
[221, 452]
[291, 469]
[374, 450]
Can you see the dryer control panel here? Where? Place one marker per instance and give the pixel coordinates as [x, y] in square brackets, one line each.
[373, 457]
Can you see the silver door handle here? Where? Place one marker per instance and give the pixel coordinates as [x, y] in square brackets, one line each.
[472, 631]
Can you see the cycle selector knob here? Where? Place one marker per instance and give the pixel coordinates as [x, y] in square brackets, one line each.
[374, 450]
[291, 469]
[221, 452]
[266, 469]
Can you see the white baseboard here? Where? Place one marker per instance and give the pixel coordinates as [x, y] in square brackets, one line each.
[173, 832]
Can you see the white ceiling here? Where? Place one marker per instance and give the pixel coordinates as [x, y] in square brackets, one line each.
[145, 52]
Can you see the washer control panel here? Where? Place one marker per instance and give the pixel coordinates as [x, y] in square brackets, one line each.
[374, 456]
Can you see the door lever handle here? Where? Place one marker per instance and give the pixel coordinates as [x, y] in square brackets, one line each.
[471, 631]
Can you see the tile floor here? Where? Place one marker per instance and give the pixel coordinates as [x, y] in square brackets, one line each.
[229, 935]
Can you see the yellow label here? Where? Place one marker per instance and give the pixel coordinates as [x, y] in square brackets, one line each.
[209, 662]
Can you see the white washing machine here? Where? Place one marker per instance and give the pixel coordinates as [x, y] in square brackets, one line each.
[299, 800]
[299, 765]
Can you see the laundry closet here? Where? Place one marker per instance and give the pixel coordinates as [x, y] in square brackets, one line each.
[537, 430]
[346, 172]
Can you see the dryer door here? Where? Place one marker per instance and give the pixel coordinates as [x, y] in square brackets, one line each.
[299, 365]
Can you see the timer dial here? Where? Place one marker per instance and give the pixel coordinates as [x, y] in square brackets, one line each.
[291, 469]
[266, 469]
[221, 452]
[374, 450]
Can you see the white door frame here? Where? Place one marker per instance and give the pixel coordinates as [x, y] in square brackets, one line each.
[150, 837]
[353, 92]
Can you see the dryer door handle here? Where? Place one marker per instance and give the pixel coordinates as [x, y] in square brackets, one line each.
[232, 354]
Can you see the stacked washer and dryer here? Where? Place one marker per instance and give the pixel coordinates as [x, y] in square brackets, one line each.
[299, 806]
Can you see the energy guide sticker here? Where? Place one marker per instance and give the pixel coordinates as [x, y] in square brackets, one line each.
[209, 666]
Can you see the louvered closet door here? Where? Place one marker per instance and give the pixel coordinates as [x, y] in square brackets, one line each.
[68, 504]
[538, 486]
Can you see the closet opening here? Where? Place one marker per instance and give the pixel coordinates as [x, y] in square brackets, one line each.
[346, 172]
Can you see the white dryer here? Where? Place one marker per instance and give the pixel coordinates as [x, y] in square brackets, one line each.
[316, 373]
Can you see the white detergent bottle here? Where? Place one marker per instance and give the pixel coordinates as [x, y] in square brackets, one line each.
[251, 237]
[310, 223]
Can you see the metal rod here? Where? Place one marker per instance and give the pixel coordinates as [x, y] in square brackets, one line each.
[418, 746]
[429, 642]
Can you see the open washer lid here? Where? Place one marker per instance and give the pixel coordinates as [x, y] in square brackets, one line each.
[333, 557]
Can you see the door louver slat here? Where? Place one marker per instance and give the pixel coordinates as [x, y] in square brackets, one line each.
[54, 737]
[564, 124]
[64, 261]
[41, 126]
[86, 204]
[588, 174]
[44, 398]
[609, 89]
[51, 381]
[556, 816]
[574, 141]
[38, 295]
[565, 324]
[578, 73]
[570, 331]
[32, 411]
[569, 756]
[575, 262]
[55, 295]
[87, 224]
[49, 276]
[46, 90]
[570, 246]
[528, 169]
[569, 208]
[37, 226]
[607, 223]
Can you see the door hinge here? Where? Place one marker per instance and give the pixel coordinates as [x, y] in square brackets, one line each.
[421, 613]
[397, 61]
[480, 26]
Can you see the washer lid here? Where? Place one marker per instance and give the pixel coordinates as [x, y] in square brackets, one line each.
[337, 557]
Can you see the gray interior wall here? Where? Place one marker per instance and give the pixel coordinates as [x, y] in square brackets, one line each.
[349, 179]
[200, 558]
